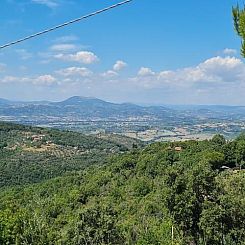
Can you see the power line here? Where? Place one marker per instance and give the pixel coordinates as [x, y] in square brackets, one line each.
[65, 24]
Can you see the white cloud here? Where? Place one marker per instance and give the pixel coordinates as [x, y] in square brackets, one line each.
[75, 71]
[119, 65]
[212, 72]
[8, 79]
[14, 79]
[216, 71]
[208, 82]
[48, 3]
[229, 51]
[109, 74]
[84, 57]
[64, 47]
[44, 80]
[144, 71]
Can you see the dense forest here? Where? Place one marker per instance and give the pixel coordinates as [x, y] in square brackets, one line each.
[164, 193]
[30, 155]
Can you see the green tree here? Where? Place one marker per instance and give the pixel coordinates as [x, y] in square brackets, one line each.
[240, 153]
[219, 140]
[239, 24]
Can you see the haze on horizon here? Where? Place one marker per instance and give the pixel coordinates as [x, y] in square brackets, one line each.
[124, 55]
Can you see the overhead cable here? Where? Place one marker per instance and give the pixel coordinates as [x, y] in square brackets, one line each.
[65, 24]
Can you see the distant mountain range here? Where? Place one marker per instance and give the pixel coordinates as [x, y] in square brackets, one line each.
[78, 107]
[82, 107]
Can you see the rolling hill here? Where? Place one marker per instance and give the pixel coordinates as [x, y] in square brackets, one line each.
[165, 193]
[30, 155]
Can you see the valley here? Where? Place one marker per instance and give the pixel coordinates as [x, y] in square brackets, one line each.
[93, 116]
[122, 123]
[63, 187]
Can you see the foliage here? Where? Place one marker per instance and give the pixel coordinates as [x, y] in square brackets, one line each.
[155, 195]
[30, 155]
[239, 24]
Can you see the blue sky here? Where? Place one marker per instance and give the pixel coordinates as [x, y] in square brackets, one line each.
[150, 51]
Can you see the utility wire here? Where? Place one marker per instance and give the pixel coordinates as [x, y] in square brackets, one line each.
[65, 24]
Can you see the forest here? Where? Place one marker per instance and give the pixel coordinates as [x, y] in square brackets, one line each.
[31, 155]
[164, 193]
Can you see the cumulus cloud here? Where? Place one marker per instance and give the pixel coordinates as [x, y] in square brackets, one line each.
[8, 79]
[119, 65]
[145, 71]
[46, 80]
[229, 51]
[43, 80]
[109, 74]
[84, 57]
[198, 83]
[13, 79]
[216, 71]
[75, 71]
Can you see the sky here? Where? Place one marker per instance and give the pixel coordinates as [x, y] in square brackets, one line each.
[146, 52]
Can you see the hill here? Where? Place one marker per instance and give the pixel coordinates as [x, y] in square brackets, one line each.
[79, 107]
[166, 193]
[93, 116]
[4, 102]
[29, 154]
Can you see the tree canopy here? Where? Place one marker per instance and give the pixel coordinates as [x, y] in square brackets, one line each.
[152, 195]
[239, 25]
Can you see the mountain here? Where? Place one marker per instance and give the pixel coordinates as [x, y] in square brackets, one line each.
[4, 102]
[80, 108]
[80, 100]
[93, 115]
[100, 108]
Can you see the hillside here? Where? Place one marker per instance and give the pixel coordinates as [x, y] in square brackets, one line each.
[88, 107]
[147, 123]
[30, 155]
[79, 107]
[167, 193]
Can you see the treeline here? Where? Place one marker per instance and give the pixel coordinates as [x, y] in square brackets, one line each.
[167, 193]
